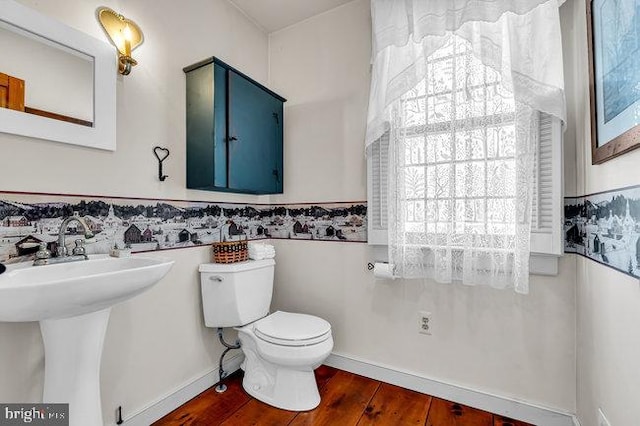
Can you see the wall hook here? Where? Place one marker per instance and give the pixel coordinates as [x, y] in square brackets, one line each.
[161, 154]
[119, 420]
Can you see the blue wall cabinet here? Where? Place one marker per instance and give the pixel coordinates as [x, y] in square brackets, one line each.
[234, 131]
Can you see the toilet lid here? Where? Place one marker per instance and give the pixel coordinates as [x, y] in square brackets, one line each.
[289, 329]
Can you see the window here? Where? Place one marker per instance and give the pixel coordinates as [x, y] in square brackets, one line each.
[458, 129]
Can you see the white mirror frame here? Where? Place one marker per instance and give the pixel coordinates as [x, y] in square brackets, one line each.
[103, 133]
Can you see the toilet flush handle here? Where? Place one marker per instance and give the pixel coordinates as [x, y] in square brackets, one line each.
[216, 278]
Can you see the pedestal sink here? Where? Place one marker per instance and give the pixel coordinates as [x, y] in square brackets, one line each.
[72, 301]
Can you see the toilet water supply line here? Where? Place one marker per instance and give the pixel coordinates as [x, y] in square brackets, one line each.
[221, 386]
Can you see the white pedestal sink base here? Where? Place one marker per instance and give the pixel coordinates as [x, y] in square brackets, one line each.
[73, 350]
[82, 293]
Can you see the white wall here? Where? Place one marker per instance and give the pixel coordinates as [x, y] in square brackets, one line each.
[157, 341]
[322, 67]
[607, 302]
[151, 100]
[515, 346]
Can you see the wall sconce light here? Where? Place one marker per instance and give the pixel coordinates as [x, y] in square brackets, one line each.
[124, 34]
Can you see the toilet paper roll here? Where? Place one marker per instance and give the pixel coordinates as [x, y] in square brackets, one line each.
[383, 271]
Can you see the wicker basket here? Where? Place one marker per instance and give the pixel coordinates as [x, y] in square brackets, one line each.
[230, 251]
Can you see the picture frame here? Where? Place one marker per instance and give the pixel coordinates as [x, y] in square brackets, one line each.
[614, 77]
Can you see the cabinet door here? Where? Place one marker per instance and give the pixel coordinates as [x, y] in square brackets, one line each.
[11, 92]
[255, 138]
[206, 127]
[200, 128]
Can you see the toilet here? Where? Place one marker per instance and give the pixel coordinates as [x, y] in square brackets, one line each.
[281, 349]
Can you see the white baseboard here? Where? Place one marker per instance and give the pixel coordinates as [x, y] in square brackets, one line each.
[518, 410]
[172, 400]
[514, 409]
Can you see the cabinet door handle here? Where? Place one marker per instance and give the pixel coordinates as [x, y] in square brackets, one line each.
[232, 138]
[276, 173]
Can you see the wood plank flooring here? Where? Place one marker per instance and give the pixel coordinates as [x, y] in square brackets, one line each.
[347, 400]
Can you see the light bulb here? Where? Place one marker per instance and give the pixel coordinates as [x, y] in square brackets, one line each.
[118, 41]
[126, 32]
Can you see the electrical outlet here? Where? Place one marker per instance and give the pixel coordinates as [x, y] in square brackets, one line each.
[602, 420]
[424, 322]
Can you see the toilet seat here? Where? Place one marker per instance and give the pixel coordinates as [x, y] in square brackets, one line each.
[289, 329]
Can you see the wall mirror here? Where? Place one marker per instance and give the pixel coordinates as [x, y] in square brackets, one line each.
[56, 83]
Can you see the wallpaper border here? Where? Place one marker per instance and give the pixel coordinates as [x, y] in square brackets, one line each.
[604, 227]
[144, 224]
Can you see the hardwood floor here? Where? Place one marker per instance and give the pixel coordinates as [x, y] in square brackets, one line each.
[347, 400]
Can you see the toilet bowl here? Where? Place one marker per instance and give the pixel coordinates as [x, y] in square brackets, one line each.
[281, 349]
[281, 352]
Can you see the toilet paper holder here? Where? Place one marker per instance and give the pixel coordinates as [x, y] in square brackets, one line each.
[382, 270]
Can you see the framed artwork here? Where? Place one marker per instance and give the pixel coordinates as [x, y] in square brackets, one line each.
[613, 29]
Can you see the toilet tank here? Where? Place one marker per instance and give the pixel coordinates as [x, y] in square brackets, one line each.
[235, 294]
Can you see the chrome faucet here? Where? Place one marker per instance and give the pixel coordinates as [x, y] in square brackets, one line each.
[62, 248]
[43, 256]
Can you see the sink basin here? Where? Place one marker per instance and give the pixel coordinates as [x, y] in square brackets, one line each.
[72, 301]
[63, 290]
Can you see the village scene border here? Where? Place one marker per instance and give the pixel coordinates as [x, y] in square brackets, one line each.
[605, 227]
[28, 220]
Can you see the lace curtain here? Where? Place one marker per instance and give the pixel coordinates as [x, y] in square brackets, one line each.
[459, 85]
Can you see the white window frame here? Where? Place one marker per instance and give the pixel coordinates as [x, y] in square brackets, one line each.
[546, 247]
